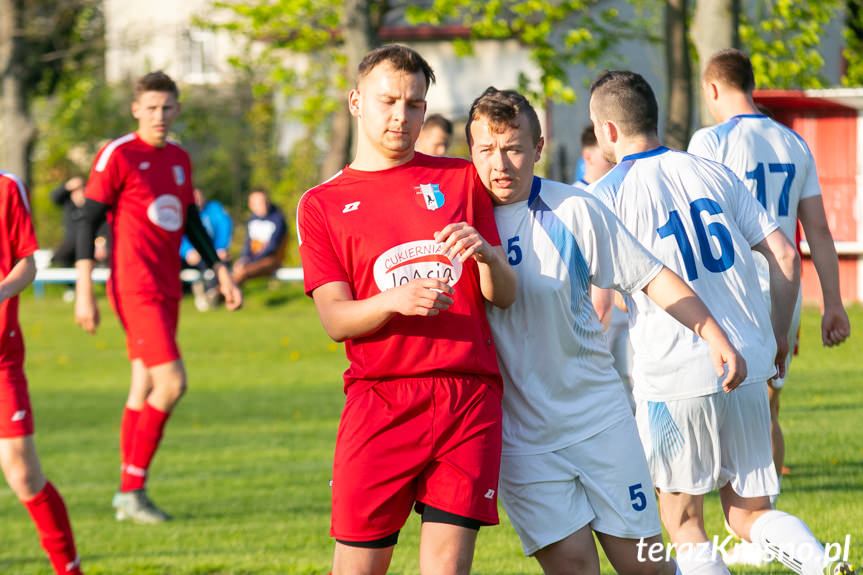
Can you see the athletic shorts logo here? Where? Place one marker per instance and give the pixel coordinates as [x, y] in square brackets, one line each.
[19, 415]
[489, 494]
[144, 166]
[419, 259]
[179, 175]
[166, 211]
[429, 196]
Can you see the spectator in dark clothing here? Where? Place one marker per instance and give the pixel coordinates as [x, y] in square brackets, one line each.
[70, 197]
[266, 239]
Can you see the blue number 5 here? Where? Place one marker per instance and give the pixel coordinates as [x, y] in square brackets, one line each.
[513, 251]
[636, 495]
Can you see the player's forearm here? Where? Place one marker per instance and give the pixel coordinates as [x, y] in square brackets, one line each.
[20, 276]
[84, 283]
[826, 262]
[603, 301]
[349, 319]
[784, 264]
[675, 296]
[497, 280]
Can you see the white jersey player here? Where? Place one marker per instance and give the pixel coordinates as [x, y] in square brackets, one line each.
[564, 409]
[779, 170]
[700, 221]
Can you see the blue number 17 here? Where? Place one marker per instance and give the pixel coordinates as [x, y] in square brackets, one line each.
[761, 183]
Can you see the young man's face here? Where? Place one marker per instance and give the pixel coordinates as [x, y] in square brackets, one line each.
[504, 160]
[389, 105]
[433, 141]
[595, 163]
[155, 112]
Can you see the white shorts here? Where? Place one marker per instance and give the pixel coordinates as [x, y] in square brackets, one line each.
[602, 481]
[696, 445]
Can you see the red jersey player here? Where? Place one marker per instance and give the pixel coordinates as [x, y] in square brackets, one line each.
[143, 182]
[18, 456]
[400, 252]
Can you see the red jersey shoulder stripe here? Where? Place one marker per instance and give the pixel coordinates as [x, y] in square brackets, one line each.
[297, 217]
[21, 189]
[102, 163]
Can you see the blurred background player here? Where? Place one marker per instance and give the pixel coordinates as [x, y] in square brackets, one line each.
[595, 164]
[400, 252]
[435, 137]
[18, 456]
[219, 228]
[779, 170]
[70, 197]
[700, 434]
[570, 444]
[143, 182]
[266, 240]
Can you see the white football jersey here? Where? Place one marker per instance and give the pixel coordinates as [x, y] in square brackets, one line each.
[771, 159]
[698, 218]
[560, 385]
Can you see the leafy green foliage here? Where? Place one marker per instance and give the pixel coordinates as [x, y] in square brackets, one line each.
[783, 39]
[854, 44]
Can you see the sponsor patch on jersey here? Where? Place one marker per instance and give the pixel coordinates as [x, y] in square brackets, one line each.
[166, 211]
[429, 196]
[413, 260]
[179, 175]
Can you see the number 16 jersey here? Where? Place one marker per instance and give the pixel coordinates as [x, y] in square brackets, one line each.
[699, 220]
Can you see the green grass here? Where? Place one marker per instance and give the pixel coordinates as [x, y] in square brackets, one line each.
[245, 463]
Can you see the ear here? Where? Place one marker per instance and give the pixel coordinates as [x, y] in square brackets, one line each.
[539, 148]
[136, 107]
[354, 103]
[711, 90]
[611, 131]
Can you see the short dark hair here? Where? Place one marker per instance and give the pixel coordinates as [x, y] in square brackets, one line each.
[501, 108]
[627, 99]
[399, 57]
[438, 121]
[730, 67]
[156, 82]
[588, 137]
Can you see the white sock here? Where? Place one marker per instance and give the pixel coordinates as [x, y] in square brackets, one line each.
[789, 540]
[700, 559]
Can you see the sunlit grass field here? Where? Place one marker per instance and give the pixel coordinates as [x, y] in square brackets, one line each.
[245, 463]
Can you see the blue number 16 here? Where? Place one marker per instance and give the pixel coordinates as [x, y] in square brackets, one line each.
[674, 227]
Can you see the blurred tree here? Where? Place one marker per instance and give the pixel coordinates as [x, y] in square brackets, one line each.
[853, 44]
[41, 43]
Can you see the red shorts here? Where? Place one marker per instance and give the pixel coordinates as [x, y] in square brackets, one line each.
[16, 416]
[150, 322]
[434, 440]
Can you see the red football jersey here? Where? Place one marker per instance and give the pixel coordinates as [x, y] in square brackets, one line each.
[17, 241]
[148, 190]
[375, 230]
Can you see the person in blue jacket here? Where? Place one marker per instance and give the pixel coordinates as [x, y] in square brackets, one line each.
[219, 226]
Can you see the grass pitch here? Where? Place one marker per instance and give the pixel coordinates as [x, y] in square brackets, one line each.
[245, 463]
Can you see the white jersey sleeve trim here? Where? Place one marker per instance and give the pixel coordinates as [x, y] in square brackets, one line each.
[297, 217]
[22, 191]
[109, 149]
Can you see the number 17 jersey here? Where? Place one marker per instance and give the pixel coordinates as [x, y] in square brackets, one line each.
[699, 220]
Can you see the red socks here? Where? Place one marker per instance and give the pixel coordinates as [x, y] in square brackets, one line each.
[127, 433]
[147, 435]
[52, 522]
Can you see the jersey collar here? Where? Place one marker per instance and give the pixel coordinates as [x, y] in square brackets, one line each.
[534, 189]
[647, 154]
[747, 116]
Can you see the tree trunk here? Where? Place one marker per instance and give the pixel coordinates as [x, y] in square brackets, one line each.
[679, 118]
[360, 36]
[715, 26]
[16, 129]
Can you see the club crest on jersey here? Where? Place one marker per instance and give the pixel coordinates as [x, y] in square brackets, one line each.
[429, 196]
[179, 175]
[412, 260]
[166, 211]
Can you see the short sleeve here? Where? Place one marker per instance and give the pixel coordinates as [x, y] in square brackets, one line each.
[701, 144]
[21, 231]
[811, 187]
[321, 264]
[618, 260]
[105, 178]
[483, 211]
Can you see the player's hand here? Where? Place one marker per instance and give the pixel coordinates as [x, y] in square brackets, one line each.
[728, 361]
[423, 297]
[835, 327]
[782, 349]
[463, 241]
[87, 312]
[193, 258]
[230, 291]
